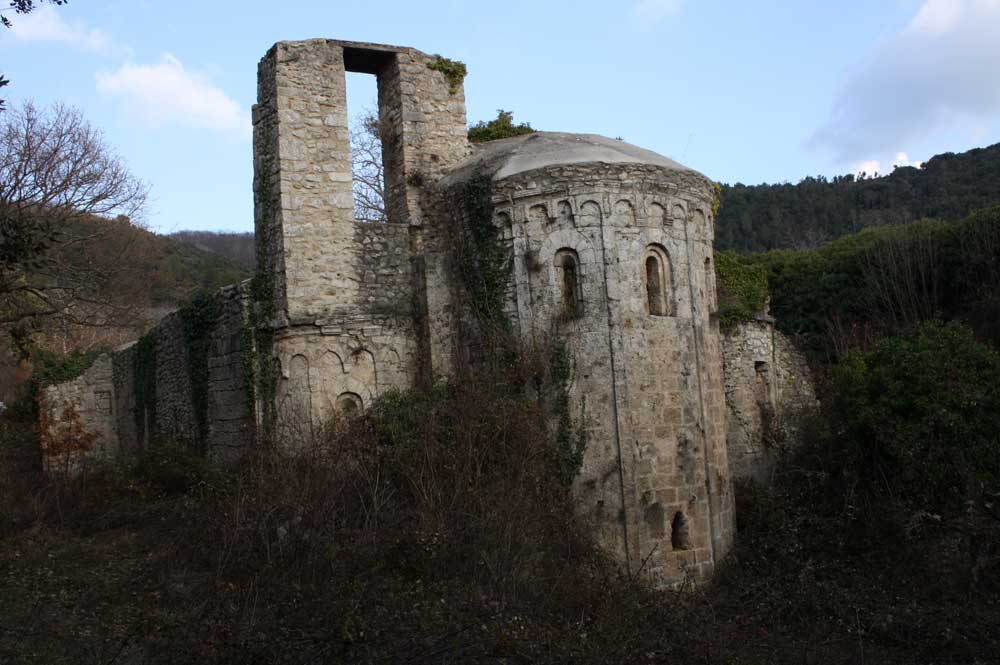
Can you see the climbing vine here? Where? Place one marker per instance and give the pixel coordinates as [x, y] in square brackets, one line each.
[716, 200]
[485, 263]
[453, 70]
[742, 289]
[199, 317]
[51, 368]
[144, 386]
[570, 440]
[257, 338]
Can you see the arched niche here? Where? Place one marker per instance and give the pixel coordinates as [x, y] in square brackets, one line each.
[297, 397]
[538, 214]
[698, 223]
[589, 214]
[677, 213]
[506, 226]
[623, 213]
[658, 215]
[564, 212]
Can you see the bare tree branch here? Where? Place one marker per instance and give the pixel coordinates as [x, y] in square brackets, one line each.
[68, 207]
[366, 158]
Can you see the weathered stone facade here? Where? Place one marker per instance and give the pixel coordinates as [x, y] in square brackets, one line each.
[768, 389]
[611, 249]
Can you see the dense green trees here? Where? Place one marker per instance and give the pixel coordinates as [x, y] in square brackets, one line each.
[918, 418]
[883, 281]
[816, 210]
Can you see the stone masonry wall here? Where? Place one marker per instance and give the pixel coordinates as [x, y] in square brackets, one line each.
[768, 385]
[230, 411]
[172, 416]
[90, 396]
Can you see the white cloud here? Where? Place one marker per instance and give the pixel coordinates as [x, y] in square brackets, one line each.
[166, 92]
[868, 167]
[939, 72]
[654, 10]
[902, 159]
[46, 25]
[871, 167]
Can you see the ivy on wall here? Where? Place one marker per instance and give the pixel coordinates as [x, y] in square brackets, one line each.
[144, 387]
[485, 263]
[50, 368]
[570, 440]
[199, 317]
[742, 289]
[257, 340]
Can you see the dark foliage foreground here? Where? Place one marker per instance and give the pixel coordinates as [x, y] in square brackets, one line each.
[435, 529]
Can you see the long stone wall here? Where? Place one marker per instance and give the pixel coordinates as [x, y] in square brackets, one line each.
[768, 388]
[143, 394]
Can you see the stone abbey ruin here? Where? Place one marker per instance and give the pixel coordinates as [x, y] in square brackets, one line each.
[610, 250]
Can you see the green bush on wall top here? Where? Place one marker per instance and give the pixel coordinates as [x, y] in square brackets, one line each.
[741, 284]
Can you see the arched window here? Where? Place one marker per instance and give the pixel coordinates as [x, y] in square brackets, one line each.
[568, 274]
[680, 538]
[659, 285]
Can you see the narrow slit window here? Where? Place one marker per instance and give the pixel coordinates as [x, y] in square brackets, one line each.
[654, 286]
[568, 274]
[659, 285]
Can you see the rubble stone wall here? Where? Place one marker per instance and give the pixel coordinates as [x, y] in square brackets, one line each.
[90, 397]
[768, 388]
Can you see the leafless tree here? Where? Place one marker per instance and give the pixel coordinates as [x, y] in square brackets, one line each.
[67, 211]
[903, 269]
[369, 181]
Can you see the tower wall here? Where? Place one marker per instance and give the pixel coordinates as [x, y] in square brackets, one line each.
[304, 206]
[346, 294]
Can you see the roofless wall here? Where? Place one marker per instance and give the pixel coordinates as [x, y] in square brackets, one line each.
[303, 199]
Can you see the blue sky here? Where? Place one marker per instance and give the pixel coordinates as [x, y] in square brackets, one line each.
[749, 91]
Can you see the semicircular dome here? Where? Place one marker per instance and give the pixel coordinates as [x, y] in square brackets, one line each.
[506, 157]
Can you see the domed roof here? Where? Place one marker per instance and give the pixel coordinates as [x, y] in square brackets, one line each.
[507, 157]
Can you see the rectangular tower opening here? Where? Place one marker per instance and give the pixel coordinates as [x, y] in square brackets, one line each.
[367, 167]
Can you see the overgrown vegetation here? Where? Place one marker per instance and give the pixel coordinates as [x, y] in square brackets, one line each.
[883, 281]
[501, 127]
[257, 341]
[483, 261]
[453, 70]
[741, 287]
[199, 316]
[570, 436]
[919, 417]
[144, 387]
[50, 368]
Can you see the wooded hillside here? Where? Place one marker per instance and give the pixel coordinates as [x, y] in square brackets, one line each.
[756, 218]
